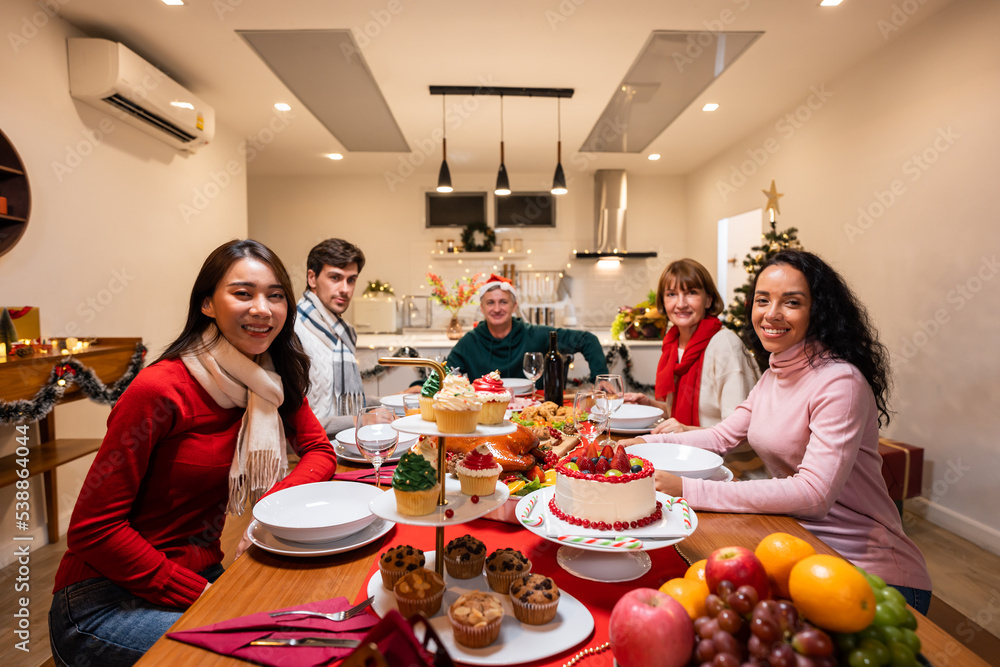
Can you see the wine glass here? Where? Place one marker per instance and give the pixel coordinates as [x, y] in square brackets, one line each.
[590, 414]
[614, 387]
[411, 404]
[533, 366]
[375, 436]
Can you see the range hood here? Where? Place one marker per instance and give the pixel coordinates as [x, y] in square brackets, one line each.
[610, 208]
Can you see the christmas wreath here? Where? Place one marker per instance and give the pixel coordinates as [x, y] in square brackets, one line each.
[478, 230]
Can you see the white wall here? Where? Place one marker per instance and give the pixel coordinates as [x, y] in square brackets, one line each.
[923, 259]
[110, 249]
[293, 213]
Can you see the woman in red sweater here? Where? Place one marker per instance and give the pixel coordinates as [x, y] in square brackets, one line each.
[199, 433]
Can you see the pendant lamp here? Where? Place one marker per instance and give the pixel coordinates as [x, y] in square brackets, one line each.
[444, 176]
[503, 183]
[559, 179]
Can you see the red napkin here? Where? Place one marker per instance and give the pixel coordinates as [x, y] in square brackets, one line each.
[365, 475]
[233, 637]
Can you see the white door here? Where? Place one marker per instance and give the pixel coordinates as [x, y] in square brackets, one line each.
[737, 235]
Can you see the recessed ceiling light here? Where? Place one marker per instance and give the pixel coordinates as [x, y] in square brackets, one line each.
[711, 106]
[654, 156]
[830, 3]
[335, 156]
[173, 2]
[281, 106]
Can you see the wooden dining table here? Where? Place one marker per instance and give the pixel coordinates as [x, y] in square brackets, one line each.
[260, 581]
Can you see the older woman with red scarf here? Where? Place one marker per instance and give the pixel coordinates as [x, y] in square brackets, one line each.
[704, 371]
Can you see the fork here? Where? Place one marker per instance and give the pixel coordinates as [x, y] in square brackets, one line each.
[336, 616]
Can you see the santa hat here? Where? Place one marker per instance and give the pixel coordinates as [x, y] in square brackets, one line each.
[497, 282]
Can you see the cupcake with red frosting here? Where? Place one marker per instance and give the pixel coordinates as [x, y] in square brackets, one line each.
[494, 397]
[478, 472]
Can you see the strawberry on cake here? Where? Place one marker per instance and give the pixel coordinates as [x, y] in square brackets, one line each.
[605, 489]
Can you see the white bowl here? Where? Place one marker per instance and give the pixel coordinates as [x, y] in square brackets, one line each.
[632, 415]
[395, 402]
[347, 439]
[681, 460]
[518, 386]
[317, 512]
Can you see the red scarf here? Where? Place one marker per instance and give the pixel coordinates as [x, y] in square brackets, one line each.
[684, 376]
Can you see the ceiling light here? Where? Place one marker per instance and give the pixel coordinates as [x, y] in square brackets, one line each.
[335, 156]
[654, 156]
[559, 179]
[503, 183]
[711, 106]
[173, 2]
[281, 106]
[830, 3]
[609, 262]
[444, 176]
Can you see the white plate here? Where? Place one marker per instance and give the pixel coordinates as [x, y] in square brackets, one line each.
[349, 443]
[723, 474]
[317, 512]
[352, 456]
[462, 506]
[263, 538]
[682, 460]
[672, 523]
[416, 424]
[633, 431]
[519, 386]
[633, 415]
[395, 401]
[604, 566]
[518, 642]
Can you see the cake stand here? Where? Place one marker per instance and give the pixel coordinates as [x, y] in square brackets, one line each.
[600, 555]
[451, 496]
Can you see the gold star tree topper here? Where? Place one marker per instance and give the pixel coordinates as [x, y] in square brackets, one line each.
[772, 199]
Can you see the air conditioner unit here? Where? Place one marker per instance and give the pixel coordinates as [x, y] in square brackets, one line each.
[110, 77]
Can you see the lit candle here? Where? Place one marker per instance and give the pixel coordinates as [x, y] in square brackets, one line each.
[3, 350]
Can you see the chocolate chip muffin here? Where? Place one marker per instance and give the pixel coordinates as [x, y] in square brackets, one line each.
[534, 598]
[504, 566]
[464, 557]
[397, 561]
[475, 619]
[419, 591]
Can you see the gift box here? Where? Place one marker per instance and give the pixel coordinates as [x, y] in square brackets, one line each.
[902, 468]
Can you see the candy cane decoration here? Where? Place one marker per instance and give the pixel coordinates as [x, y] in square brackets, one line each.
[620, 543]
[537, 521]
[685, 512]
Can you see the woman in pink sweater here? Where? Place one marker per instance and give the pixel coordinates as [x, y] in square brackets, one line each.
[813, 418]
[199, 433]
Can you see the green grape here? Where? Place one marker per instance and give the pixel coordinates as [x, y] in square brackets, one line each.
[875, 581]
[892, 594]
[902, 656]
[878, 649]
[860, 657]
[890, 633]
[911, 640]
[846, 642]
[909, 620]
[889, 613]
[871, 632]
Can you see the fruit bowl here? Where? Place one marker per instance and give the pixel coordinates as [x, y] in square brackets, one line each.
[678, 459]
[318, 512]
[633, 416]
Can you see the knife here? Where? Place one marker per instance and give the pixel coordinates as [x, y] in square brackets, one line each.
[307, 641]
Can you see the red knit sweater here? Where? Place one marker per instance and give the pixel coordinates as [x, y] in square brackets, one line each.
[152, 507]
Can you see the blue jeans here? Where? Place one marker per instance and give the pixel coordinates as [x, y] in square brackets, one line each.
[96, 622]
[917, 598]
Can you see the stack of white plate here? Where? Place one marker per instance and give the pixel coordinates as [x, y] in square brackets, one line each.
[633, 417]
[318, 512]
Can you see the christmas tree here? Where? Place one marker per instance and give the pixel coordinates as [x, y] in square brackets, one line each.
[771, 242]
[8, 334]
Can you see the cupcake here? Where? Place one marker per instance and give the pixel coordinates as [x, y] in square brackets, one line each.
[415, 483]
[534, 598]
[464, 557]
[419, 591]
[475, 619]
[427, 447]
[397, 561]
[503, 566]
[432, 385]
[494, 397]
[456, 407]
[478, 472]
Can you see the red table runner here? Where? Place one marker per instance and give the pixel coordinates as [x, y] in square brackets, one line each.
[598, 597]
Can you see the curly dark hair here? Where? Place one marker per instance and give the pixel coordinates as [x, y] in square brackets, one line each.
[837, 319]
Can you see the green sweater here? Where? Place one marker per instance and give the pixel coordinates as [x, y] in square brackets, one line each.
[478, 352]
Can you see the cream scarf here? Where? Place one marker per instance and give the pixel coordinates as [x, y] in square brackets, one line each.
[234, 380]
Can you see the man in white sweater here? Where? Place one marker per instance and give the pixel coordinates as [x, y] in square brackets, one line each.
[336, 392]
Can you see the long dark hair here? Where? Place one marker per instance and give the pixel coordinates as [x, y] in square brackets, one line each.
[290, 360]
[837, 319]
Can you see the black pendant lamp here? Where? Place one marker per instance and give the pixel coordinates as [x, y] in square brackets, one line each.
[444, 176]
[559, 179]
[503, 183]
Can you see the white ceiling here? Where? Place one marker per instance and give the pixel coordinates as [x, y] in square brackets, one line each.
[409, 45]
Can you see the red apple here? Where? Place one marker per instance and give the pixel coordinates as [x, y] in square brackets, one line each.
[738, 565]
[648, 628]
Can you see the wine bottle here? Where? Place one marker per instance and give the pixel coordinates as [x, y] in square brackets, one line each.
[554, 379]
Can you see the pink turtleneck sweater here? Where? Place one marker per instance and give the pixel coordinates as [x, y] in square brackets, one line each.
[816, 429]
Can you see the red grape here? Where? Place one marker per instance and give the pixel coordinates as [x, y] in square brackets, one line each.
[725, 660]
[758, 648]
[708, 629]
[803, 661]
[726, 643]
[729, 621]
[725, 588]
[750, 592]
[812, 642]
[713, 605]
[782, 655]
[788, 616]
[705, 650]
[741, 602]
[767, 630]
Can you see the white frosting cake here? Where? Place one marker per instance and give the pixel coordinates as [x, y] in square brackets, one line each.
[598, 498]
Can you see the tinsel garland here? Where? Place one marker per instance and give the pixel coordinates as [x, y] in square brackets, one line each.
[378, 370]
[619, 349]
[63, 375]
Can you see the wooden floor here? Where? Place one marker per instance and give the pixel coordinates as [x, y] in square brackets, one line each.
[966, 584]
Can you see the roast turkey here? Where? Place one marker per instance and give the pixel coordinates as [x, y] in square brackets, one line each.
[511, 451]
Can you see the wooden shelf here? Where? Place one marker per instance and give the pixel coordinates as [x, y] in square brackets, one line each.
[9, 172]
[497, 256]
[14, 187]
[9, 219]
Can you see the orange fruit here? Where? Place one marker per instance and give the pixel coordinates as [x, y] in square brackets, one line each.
[697, 571]
[779, 552]
[831, 593]
[690, 593]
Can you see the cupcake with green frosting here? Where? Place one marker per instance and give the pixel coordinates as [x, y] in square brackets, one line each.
[415, 484]
[432, 385]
